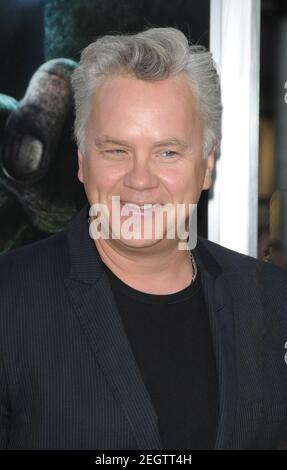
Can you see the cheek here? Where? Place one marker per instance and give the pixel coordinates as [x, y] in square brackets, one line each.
[100, 176]
[180, 181]
[184, 183]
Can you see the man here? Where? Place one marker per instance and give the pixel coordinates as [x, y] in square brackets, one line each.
[117, 342]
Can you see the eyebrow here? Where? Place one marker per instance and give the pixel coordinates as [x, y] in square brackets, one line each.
[171, 141]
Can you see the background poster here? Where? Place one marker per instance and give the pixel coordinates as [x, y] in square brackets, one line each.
[40, 45]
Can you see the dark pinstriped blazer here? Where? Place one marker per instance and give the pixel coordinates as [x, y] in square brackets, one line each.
[68, 377]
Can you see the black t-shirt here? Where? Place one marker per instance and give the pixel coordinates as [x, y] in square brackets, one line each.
[172, 344]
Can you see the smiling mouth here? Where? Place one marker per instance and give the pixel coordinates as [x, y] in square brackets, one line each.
[144, 208]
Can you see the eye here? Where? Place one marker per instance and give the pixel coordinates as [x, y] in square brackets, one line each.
[169, 152]
[117, 151]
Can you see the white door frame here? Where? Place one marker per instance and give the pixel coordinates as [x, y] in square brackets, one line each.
[235, 44]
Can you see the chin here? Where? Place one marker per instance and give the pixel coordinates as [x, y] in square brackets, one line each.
[138, 242]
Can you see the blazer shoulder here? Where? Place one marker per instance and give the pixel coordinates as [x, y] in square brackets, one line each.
[246, 273]
[226, 255]
[38, 257]
[230, 259]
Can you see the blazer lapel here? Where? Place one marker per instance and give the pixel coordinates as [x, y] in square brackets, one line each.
[94, 304]
[221, 315]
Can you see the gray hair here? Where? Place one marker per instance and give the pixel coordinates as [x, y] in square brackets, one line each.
[154, 54]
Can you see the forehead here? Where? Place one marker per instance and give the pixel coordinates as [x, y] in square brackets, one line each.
[140, 107]
[130, 91]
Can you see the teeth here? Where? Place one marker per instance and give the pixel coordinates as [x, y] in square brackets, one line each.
[142, 207]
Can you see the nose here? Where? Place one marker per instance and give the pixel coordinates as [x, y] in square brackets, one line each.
[140, 176]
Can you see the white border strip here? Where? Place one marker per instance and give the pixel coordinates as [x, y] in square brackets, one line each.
[235, 44]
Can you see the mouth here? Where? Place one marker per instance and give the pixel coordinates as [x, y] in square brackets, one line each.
[143, 208]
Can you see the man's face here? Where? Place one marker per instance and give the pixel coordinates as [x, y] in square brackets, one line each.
[128, 153]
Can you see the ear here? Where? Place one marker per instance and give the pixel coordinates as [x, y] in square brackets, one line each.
[209, 169]
[80, 170]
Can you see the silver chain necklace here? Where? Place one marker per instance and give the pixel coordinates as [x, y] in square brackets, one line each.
[194, 270]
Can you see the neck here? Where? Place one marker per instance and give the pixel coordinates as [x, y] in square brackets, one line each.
[162, 271]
